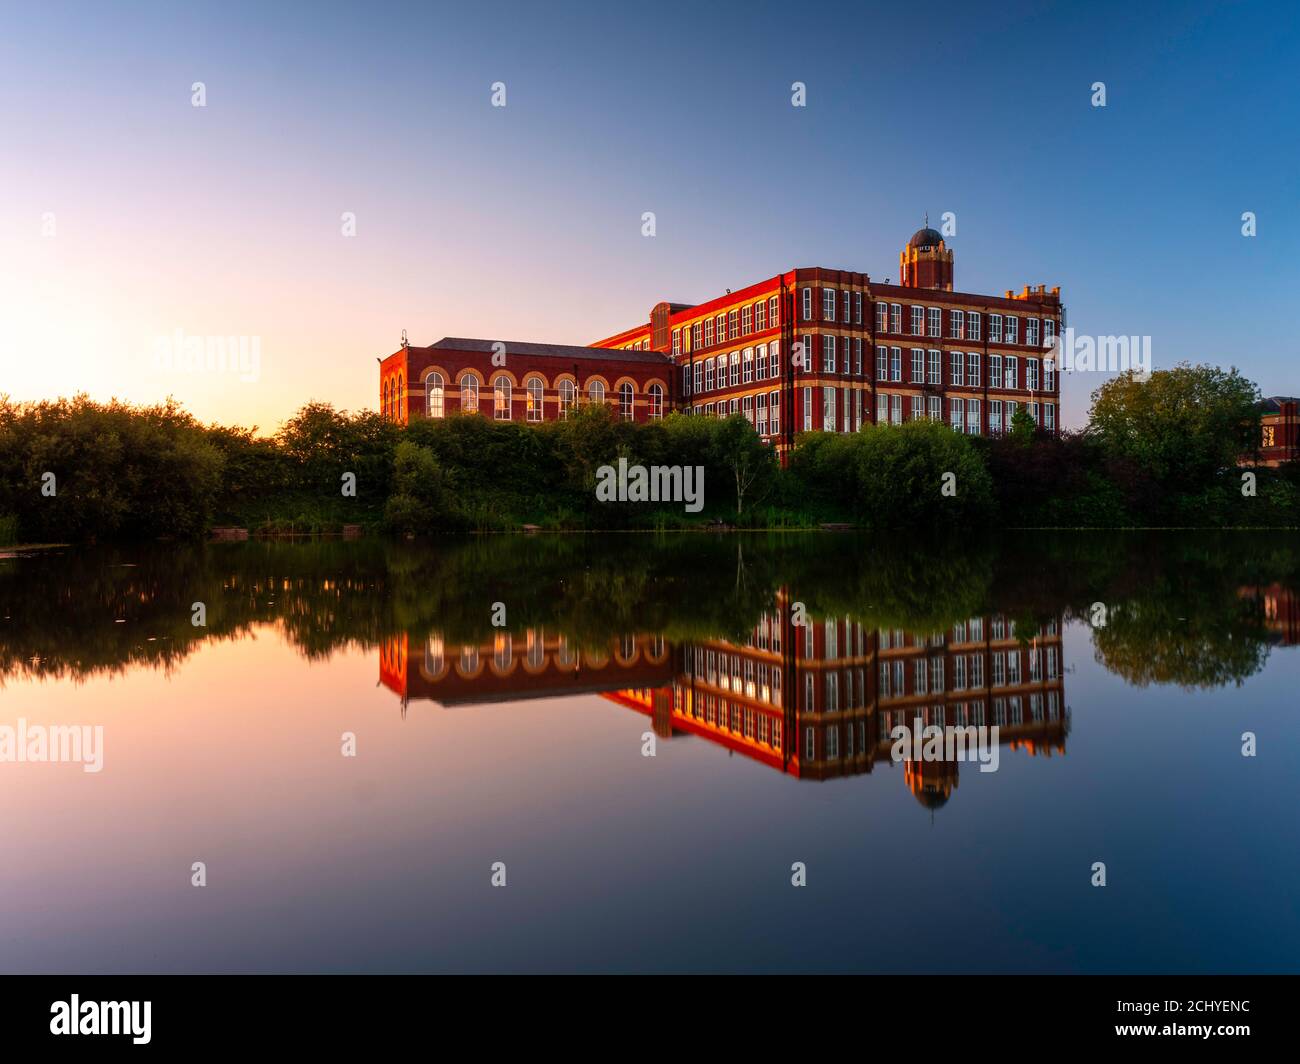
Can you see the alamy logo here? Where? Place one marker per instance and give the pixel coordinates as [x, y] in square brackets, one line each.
[180, 353]
[102, 1017]
[655, 484]
[1103, 354]
[77, 743]
[934, 743]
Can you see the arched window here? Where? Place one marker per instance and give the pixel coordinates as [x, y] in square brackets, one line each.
[468, 659]
[503, 654]
[536, 648]
[397, 400]
[469, 394]
[567, 395]
[534, 388]
[383, 399]
[625, 400]
[501, 387]
[656, 402]
[596, 391]
[433, 395]
[433, 655]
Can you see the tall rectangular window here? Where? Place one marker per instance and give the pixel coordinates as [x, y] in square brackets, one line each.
[760, 362]
[882, 363]
[735, 368]
[773, 314]
[857, 308]
[677, 341]
[896, 409]
[956, 368]
[746, 320]
[918, 366]
[828, 354]
[972, 325]
[935, 321]
[698, 377]
[934, 410]
[1011, 372]
[895, 318]
[1011, 327]
[807, 304]
[828, 410]
[760, 316]
[882, 410]
[973, 417]
[995, 371]
[917, 403]
[722, 328]
[995, 328]
[882, 317]
[828, 304]
[748, 366]
[957, 413]
[995, 417]
[774, 407]
[857, 355]
[708, 374]
[1049, 374]
[1049, 332]
[1031, 374]
[774, 359]
[1031, 332]
[1049, 416]
[733, 325]
[918, 321]
[956, 324]
[895, 363]
[807, 409]
[708, 332]
[972, 369]
[935, 375]
[761, 400]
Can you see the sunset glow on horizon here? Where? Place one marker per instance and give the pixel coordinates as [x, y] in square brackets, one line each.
[131, 215]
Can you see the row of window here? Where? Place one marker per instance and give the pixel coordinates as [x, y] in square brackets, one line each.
[967, 671]
[763, 411]
[754, 317]
[534, 393]
[964, 369]
[720, 713]
[847, 307]
[1006, 711]
[963, 325]
[842, 411]
[926, 366]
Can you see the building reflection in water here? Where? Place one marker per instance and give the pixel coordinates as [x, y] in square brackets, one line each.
[815, 701]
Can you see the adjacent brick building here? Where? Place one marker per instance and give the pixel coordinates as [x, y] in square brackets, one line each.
[1279, 431]
[808, 349]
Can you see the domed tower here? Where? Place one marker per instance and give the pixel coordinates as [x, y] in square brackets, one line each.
[931, 782]
[926, 262]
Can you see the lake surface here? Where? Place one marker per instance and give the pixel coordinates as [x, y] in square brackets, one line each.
[501, 696]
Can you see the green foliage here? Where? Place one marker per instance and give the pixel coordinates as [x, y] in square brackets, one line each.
[920, 474]
[1181, 427]
[125, 471]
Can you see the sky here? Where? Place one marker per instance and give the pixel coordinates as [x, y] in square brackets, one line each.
[133, 221]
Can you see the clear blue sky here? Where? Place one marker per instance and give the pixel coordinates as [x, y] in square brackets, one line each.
[524, 222]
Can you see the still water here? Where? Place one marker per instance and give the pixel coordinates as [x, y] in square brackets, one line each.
[500, 696]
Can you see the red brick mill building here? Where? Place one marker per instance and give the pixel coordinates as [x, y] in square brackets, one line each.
[811, 348]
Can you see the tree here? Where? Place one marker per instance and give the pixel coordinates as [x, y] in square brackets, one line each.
[1182, 425]
[1023, 427]
[750, 462]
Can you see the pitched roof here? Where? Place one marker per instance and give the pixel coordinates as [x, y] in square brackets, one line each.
[531, 350]
[1273, 403]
